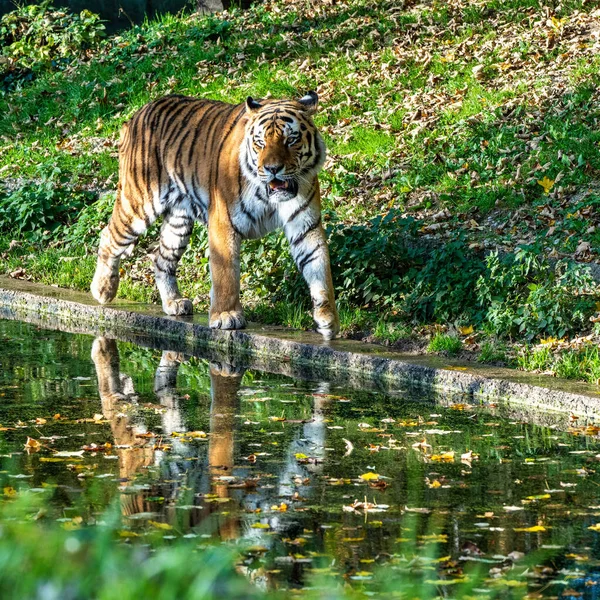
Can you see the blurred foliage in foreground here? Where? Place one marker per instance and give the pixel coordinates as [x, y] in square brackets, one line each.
[74, 560]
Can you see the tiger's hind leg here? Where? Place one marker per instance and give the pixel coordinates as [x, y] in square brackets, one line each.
[174, 237]
[116, 240]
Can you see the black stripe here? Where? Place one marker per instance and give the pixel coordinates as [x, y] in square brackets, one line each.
[306, 260]
[300, 237]
[207, 106]
[211, 128]
[176, 130]
[240, 114]
[231, 222]
[247, 213]
[302, 207]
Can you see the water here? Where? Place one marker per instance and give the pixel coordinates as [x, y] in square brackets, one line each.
[302, 476]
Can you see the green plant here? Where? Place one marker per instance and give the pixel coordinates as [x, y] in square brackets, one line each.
[40, 208]
[442, 290]
[390, 333]
[38, 36]
[523, 294]
[371, 259]
[442, 342]
[493, 351]
[537, 359]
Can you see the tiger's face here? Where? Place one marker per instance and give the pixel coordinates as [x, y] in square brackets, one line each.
[284, 150]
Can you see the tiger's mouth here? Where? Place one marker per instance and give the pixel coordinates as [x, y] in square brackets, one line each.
[283, 187]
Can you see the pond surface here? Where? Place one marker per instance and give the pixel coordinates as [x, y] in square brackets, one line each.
[303, 477]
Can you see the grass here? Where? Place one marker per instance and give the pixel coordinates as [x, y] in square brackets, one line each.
[424, 109]
[444, 343]
[581, 363]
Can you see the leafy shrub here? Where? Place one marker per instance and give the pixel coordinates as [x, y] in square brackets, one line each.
[443, 289]
[39, 36]
[371, 260]
[38, 207]
[524, 294]
[90, 221]
[368, 262]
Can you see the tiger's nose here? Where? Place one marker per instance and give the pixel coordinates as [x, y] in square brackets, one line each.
[273, 168]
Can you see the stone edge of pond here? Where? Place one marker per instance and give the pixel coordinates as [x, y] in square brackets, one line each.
[20, 299]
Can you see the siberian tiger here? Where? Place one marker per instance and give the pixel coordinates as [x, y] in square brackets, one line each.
[243, 170]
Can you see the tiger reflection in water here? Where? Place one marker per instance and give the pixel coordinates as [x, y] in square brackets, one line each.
[216, 472]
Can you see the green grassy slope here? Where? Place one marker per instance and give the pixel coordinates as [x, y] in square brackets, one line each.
[479, 120]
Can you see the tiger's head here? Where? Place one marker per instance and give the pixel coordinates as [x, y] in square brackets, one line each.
[283, 149]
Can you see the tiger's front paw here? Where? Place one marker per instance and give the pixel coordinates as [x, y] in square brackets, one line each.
[232, 319]
[327, 322]
[105, 284]
[178, 306]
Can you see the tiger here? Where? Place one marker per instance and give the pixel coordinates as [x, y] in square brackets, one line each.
[243, 170]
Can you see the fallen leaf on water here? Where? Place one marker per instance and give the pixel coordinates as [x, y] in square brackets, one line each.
[160, 525]
[369, 476]
[445, 457]
[533, 529]
[32, 445]
[349, 447]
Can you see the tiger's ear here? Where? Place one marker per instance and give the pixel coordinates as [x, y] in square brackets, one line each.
[310, 102]
[252, 105]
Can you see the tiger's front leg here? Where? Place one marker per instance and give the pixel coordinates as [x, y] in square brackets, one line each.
[308, 246]
[224, 243]
[174, 237]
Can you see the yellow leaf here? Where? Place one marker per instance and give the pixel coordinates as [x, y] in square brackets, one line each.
[546, 184]
[261, 526]
[468, 330]
[435, 484]
[300, 456]
[128, 534]
[595, 527]
[32, 444]
[539, 497]
[533, 529]
[369, 476]
[9, 492]
[160, 525]
[445, 457]
[550, 341]
[196, 434]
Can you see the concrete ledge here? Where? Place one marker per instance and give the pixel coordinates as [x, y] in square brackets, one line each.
[292, 353]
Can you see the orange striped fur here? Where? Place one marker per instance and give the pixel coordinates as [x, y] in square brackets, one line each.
[243, 170]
